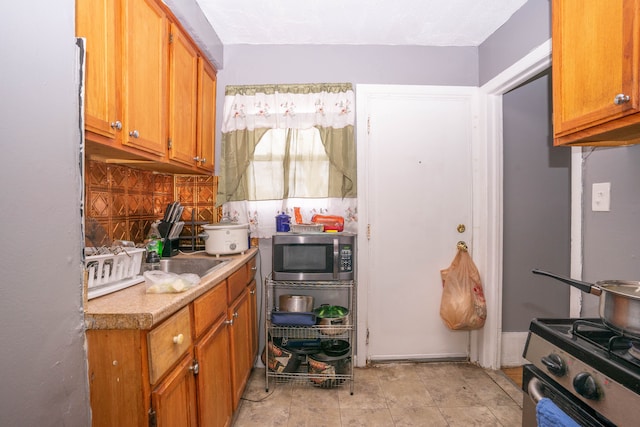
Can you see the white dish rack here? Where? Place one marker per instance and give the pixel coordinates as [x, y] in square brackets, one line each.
[111, 272]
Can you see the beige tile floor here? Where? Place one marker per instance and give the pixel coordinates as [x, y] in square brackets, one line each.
[398, 395]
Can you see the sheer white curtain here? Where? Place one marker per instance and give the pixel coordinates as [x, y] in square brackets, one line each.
[287, 146]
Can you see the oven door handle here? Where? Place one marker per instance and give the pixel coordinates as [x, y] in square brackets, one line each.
[535, 389]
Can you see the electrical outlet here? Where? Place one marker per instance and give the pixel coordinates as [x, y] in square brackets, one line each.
[601, 197]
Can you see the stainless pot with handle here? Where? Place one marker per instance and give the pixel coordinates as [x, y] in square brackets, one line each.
[296, 303]
[619, 306]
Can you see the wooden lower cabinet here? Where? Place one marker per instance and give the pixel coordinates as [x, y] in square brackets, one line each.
[119, 390]
[190, 370]
[253, 313]
[214, 377]
[174, 400]
[241, 359]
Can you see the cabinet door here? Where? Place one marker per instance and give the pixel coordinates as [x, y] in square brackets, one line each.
[183, 89]
[253, 315]
[595, 58]
[98, 22]
[241, 359]
[145, 76]
[174, 400]
[214, 377]
[206, 115]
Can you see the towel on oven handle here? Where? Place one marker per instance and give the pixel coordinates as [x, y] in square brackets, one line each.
[549, 415]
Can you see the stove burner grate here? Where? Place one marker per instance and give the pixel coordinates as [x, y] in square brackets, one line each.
[634, 350]
[615, 343]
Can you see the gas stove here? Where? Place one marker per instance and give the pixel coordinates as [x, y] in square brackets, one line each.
[593, 370]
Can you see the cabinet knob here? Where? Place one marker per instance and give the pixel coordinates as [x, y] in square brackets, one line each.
[621, 98]
[134, 133]
[235, 315]
[178, 339]
[229, 322]
[203, 160]
[116, 125]
[252, 292]
[196, 159]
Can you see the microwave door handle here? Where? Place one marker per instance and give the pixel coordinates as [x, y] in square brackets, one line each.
[336, 258]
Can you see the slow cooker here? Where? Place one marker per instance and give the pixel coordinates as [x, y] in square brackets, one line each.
[226, 238]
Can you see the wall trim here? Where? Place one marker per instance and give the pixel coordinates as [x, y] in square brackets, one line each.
[488, 352]
[512, 347]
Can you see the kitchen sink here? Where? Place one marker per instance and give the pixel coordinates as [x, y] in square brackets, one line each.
[199, 266]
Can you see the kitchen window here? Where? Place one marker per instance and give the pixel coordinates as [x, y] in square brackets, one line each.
[286, 146]
[288, 163]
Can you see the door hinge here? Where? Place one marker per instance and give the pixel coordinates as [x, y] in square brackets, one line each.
[367, 340]
[169, 144]
[153, 422]
[368, 231]
[170, 37]
[368, 125]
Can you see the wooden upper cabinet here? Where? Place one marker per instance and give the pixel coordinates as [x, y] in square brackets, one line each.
[98, 22]
[145, 71]
[596, 60]
[183, 93]
[149, 91]
[206, 116]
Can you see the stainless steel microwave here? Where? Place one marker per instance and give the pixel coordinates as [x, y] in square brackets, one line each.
[314, 256]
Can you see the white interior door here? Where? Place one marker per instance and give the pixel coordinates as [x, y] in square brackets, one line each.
[418, 190]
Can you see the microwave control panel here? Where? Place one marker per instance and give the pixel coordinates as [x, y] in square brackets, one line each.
[346, 258]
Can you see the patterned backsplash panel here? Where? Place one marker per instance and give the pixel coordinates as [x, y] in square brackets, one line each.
[122, 202]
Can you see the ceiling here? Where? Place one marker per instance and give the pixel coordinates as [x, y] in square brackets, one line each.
[358, 22]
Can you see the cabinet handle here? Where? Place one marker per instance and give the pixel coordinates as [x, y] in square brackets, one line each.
[178, 339]
[116, 125]
[621, 98]
[134, 133]
[195, 368]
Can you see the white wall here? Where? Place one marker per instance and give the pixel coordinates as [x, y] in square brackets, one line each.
[44, 379]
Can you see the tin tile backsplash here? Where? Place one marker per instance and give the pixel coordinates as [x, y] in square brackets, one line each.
[122, 202]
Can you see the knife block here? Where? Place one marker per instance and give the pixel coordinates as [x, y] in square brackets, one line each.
[170, 247]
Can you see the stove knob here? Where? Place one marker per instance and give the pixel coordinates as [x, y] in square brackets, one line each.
[586, 386]
[232, 246]
[555, 365]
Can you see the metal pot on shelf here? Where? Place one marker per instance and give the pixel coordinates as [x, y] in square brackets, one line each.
[296, 303]
[332, 319]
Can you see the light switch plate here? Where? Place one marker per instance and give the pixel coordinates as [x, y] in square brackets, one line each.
[601, 197]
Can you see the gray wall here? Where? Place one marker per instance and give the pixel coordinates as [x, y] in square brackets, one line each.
[527, 29]
[44, 374]
[611, 239]
[537, 208]
[271, 64]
